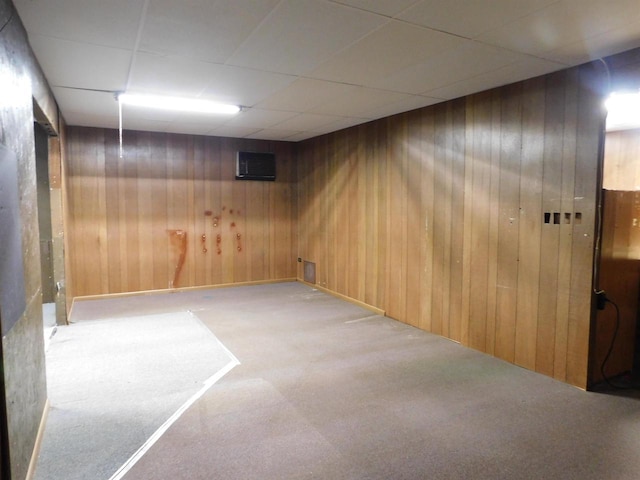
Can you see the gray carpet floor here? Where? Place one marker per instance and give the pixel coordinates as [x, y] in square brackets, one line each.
[112, 383]
[328, 390]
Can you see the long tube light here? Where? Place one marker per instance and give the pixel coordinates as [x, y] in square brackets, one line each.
[177, 104]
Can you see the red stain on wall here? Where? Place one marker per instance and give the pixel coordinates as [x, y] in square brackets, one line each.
[203, 240]
[178, 241]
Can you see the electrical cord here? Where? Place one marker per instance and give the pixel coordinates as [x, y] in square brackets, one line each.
[8, 19]
[613, 341]
[606, 357]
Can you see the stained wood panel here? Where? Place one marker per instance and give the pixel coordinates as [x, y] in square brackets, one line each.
[622, 161]
[620, 279]
[144, 221]
[454, 236]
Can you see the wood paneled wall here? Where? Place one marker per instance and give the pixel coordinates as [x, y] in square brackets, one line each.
[438, 216]
[171, 214]
[619, 277]
[622, 161]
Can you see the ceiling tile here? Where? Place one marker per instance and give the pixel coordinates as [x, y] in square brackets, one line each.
[170, 75]
[202, 121]
[399, 106]
[90, 120]
[257, 118]
[301, 136]
[273, 134]
[236, 132]
[112, 23]
[598, 46]
[340, 124]
[132, 113]
[242, 86]
[86, 102]
[345, 62]
[81, 65]
[563, 23]
[307, 122]
[466, 61]
[203, 30]
[144, 124]
[395, 46]
[300, 34]
[304, 94]
[358, 101]
[191, 127]
[383, 7]
[469, 19]
[530, 68]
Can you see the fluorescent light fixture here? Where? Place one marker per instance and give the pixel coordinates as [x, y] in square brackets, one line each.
[623, 111]
[177, 104]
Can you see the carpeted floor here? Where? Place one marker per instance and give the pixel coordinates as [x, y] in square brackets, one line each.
[112, 383]
[328, 390]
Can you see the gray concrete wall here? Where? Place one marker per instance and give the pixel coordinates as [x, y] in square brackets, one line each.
[23, 348]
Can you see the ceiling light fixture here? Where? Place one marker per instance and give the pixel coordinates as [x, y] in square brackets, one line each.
[177, 104]
[623, 111]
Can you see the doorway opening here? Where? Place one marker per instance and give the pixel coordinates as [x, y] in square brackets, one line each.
[619, 273]
[45, 230]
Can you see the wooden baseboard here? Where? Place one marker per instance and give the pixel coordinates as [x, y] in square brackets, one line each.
[371, 308]
[38, 444]
[177, 290]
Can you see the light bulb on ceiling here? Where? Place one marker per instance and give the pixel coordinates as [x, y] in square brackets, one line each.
[623, 111]
[178, 104]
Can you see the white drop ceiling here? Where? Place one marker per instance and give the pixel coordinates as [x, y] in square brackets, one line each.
[302, 68]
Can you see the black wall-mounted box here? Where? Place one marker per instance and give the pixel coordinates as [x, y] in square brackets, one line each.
[256, 166]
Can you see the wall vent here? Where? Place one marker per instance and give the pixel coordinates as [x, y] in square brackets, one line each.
[256, 166]
[309, 272]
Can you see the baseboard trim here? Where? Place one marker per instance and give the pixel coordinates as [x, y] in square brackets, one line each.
[177, 290]
[371, 308]
[38, 444]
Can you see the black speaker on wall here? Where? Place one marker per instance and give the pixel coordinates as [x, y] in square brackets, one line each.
[256, 166]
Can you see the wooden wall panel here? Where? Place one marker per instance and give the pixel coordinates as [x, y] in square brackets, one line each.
[454, 238]
[619, 274]
[620, 279]
[132, 219]
[622, 161]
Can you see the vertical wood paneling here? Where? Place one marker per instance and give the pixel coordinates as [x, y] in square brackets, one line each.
[426, 221]
[620, 279]
[621, 166]
[447, 207]
[122, 212]
[583, 239]
[455, 199]
[550, 234]
[457, 221]
[415, 224]
[508, 228]
[494, 222]
[529, 251]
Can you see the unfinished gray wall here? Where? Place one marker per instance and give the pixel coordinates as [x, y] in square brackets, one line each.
[22, 344]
